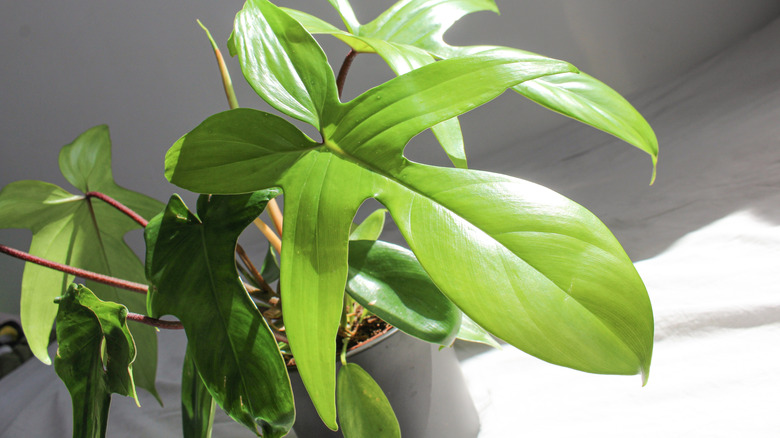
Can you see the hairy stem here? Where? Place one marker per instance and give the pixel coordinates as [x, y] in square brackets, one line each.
[119, 206]
[342, 77]
[154, 322]
[83, 273]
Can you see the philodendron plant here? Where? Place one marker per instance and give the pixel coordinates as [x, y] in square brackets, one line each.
[490, 254]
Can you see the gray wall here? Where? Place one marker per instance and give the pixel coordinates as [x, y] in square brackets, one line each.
[145, 68]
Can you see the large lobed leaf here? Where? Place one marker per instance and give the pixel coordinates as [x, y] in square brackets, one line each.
[94, 357]
[81, 232]
[190, 261]
[525, 263]
[421, 24]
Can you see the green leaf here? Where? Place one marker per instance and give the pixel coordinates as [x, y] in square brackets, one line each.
[290, 72]
[82, 232]
[363, 408]
[388, 280]
[94, 357]
[590, 101]
[270, 268]
[417, 22]
[527, 264]
[347, 14]
[402, 58]
[587, 100]
[197, 405]
[371, 228]
[471, 331]
[422, 23]
[190, 261]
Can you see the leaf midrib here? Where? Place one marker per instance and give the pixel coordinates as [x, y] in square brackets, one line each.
[334, 149]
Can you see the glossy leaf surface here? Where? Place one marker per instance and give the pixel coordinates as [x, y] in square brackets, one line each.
[84, 233]
[94, 357]
[347, 14]
[402, 58]
[324, 185]
[190, 261]
[422, 23]
[282, 62]
[363, 408]
[525, 263]
[197, 405]
[579, 96]
[388, 281]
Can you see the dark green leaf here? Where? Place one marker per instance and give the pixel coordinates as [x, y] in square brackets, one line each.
[363, 408]
[94, 357]
[290, 72]
[197, 405]
[388, 281]
[84, 233]
[190, 261]
[270, 268]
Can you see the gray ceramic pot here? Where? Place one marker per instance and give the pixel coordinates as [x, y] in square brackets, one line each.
[424, 385]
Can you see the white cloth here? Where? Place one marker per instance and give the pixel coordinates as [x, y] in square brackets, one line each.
[708, 237]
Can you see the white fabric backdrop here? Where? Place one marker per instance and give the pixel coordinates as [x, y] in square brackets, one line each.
[708, 239]
[709, 236]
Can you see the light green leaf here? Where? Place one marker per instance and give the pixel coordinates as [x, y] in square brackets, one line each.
[363, 408]
[82, 232]
[471, 331]
[347, 14]
[190, 261]
[570, 295]
[371, 228]
[402, 58]
[388, 280]
[197, 405]
[394, 112]
[417, 22]
[290, 72]
[585, 98]
[94, 357]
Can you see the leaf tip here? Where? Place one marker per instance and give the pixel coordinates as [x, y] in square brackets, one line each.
[655, 170]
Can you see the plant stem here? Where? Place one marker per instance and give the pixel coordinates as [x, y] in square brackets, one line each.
[154, 322]
[83, 273]
[253, 270]
[276, 215]
[273, 239]
[119, 206]
[342, 77]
